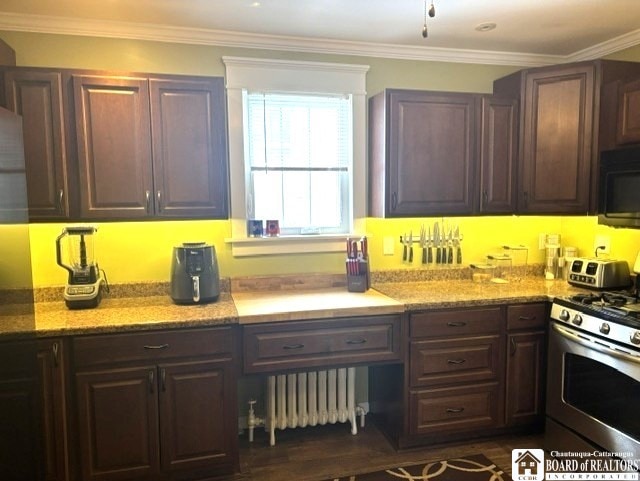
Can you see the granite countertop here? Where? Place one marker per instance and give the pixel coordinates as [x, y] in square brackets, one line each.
[118, 315]
[255, 300]
[462, 292]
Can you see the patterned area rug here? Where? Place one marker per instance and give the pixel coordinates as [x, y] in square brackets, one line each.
[470, 468]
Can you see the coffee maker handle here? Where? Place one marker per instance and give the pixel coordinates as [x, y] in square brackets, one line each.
[196, 288]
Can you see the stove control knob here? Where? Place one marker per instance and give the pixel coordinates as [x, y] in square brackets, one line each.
[577, 319]
[605, 328]
[635, 338]
[564, 315]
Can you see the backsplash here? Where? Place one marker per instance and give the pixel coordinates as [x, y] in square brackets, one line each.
[140, 252]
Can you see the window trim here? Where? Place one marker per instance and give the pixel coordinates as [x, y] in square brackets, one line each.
[303, 77]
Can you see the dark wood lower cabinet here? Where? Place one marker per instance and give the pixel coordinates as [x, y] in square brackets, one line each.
[469, 373]
[20, 424]
[156, 413]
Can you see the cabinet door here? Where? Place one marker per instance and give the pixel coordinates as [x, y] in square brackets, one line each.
[557, 140]
[498, 154]
[198, 416]
[628, 131]
[37, 97]
[118, 424]
[114, 146]
[431, 153]
[525, 378]
[189, 147]
[54, 421]
[20, 426]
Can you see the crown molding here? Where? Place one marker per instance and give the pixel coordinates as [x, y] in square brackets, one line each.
[197, 36]
[608, 47]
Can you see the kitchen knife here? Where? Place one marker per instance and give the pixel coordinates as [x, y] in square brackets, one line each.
[458, 247]
[450, 247]
[429, 253]
[404, 247]
[423, 243]
[410, 246]
[436, 237]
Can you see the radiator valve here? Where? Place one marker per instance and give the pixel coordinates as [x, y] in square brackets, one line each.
[252, 420]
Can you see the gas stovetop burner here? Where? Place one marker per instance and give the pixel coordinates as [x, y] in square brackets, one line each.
[604, 299]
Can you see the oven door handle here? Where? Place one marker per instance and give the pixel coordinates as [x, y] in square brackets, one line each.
[592, 344]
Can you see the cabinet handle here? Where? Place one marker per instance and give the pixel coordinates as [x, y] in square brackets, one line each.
[158, 346]
[60, 198]
[356, 341]
[289, 347]
[454, 410]
[55, 350]
[163, 379]
[456, 361]
[159, 196]
[147, 196]
[456, 324]
[485, 196]
[514, 346]
[394, 201]
[525, 196]
[151, 381]
[527, 318]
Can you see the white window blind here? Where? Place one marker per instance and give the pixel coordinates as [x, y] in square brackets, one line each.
[298, 155]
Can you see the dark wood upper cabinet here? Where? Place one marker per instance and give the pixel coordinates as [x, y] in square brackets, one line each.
[151, 147]
[628, 125]
[114, 146]
[188, 120]
[498, 154]
[38, 96]
[422, 153]
[568, 115]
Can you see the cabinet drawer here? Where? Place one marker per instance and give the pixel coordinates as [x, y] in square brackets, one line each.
[152, 346]
[456, 322]
[453, 361]
[438, 411]
[298, 345]
[527, 316]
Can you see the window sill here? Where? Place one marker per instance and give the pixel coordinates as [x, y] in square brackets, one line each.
[300, 244]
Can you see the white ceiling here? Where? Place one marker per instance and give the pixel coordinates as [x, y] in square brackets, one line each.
[530, 32]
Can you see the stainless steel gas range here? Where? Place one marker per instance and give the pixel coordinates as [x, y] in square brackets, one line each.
[593, 373]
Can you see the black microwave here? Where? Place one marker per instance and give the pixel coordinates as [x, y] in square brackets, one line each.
[619, 188]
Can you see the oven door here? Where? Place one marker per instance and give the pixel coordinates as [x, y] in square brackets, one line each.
[593, 390]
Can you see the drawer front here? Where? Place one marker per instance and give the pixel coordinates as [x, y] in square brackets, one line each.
[298, 345]
[152, 346]
[449, 361]
[456, 322]
[527, 316]
[452, 410]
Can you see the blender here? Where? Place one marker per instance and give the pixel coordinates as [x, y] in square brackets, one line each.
[85, 282]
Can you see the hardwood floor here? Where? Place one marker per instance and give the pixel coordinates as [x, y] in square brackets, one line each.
[325, 452]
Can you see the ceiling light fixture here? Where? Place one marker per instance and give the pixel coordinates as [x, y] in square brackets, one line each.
[486, 27]
[431, 12]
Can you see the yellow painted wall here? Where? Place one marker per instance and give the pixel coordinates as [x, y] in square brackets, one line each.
[140, 251]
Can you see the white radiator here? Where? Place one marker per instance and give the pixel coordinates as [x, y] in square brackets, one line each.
[311, 398]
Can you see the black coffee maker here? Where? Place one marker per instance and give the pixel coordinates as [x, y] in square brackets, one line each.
[195, 277]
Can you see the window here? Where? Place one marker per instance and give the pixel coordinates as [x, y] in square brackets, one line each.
[297, 147]
[298, 157]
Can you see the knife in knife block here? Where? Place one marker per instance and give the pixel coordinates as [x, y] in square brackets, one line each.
[358, 278]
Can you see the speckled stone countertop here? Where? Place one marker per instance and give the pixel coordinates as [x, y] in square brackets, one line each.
[464, 292]
[117, 315]
[272, 299]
